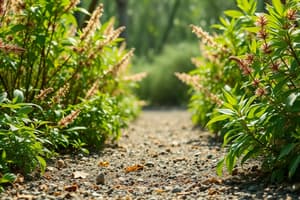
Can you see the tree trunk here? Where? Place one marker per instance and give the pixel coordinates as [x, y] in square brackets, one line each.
[122, 15]
[169, 26]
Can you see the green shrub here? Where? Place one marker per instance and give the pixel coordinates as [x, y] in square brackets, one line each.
[160, 87]
[21, 144]
[64, 89]
[251, 73]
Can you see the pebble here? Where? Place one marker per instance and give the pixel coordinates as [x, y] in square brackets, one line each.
[253, 188]
[100, 179]
[60, 164]
[177, 190]
[149, 164]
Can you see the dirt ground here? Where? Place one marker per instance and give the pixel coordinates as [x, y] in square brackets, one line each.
[159, 156]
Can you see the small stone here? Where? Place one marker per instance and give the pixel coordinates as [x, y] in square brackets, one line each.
[149, 164]
[295, 187]
[100, 179]
[140, 180]
[60, 164]
[252, 188]
[176, 190]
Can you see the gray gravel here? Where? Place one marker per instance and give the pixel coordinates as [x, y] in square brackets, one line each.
[160, 156]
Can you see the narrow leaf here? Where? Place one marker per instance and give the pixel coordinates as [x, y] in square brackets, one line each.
[229, 98]
[233, 13]
[278, 6]
[217, 118]
[8, 178]
[286, 150]
[220, 167]
[42, 163]
[293, 166]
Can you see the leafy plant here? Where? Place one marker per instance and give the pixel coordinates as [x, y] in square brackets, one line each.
[253, 78]
[21, 147]
[64, 88]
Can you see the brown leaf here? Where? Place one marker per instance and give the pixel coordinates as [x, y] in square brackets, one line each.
[79, 174]
[103, 164]
[212, 180]
[71, 188]
[159, 191]
[19, 179]
[134, 168]
[212, 191]
[57, 193]
[47, 175]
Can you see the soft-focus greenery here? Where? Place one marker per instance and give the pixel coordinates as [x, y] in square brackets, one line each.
[62, 89]
[148, 20]
[161, 87]
[247, 84]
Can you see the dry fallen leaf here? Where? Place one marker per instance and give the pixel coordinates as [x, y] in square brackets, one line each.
[57, 193]
[19, 179]
[134, 168]
[212, 180]
[47, 175]
[212, 191]
[159, 191]
[103, 164]
[79, 174]
[71, 188]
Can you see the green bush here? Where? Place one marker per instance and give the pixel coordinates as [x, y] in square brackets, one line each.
[250, 71]
[62, 89]
[160, 87]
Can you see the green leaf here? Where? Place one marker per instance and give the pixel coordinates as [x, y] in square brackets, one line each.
[253, 46]
[3, 97]
[77, 128]
[220, 167]
[82, 10]
[3, 156]
[293, 166]
[8, 178]
[250, 154]
[233, 13]
[42, 163]
[252, 30]
[291, 99]
[25, 110]
[226, 112]
[217, 118]
[230, 160]
[278, 6]
[229, 98]
[286, 150]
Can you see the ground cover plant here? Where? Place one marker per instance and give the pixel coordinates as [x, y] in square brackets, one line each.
[247, 87]
[62, 89]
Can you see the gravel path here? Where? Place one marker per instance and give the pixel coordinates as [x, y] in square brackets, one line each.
[160, 156]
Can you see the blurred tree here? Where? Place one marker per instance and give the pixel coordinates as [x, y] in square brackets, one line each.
[169, 26]
[122, 6]
[151, 24]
